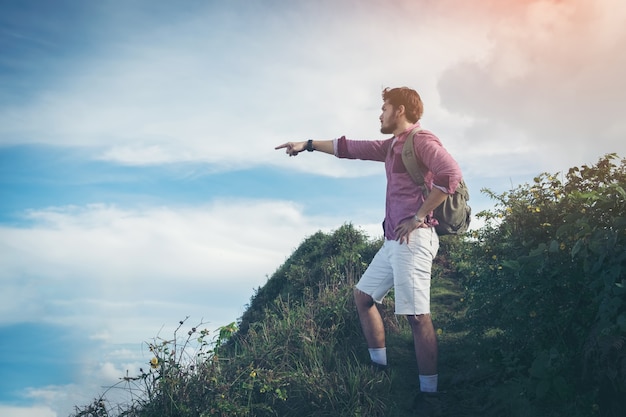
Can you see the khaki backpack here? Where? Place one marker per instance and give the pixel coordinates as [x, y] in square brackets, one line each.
[454, 214]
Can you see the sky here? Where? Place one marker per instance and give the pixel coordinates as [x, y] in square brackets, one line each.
[139, 185]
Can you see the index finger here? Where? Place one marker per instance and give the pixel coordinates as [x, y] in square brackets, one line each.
[284, 145]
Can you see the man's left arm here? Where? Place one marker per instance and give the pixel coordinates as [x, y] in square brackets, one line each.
[446, 177]
[434, 199]
[446, 172]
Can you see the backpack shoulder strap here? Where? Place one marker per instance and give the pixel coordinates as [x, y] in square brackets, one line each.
[410, 159]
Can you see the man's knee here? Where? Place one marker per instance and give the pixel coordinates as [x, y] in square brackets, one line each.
[419, 320]
[362, 300]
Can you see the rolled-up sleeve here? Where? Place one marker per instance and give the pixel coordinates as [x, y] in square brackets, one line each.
[446, 173]
[367, 150]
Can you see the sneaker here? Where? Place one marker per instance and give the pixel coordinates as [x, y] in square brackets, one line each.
[428, 404]
[377, 367]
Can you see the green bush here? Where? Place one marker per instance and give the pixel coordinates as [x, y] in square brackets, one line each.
[545, 281]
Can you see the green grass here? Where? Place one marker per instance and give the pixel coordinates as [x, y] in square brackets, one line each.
[304, 355]
[298, 351]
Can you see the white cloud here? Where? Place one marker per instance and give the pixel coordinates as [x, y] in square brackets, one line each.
[180, 95]
[538, 83]
[62, 400]
[113, 269]
[550, 91]
[119, 277]
[36, 411]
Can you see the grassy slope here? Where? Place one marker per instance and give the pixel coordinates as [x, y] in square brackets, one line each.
[301, 334]
[461, 375]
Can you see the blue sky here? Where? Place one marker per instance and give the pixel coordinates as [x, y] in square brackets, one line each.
[139, 184]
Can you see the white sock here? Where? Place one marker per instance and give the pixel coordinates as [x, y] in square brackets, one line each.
[428, 383]
[378, 355]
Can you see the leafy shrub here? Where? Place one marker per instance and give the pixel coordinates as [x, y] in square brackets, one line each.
[546, 287]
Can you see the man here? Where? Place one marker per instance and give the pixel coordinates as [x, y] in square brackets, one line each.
[404, 261]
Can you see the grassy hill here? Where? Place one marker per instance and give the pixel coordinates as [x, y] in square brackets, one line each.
[298, 349]
[530, 312]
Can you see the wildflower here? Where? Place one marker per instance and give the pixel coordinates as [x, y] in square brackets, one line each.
[533, 313]
[439, 332]
[154, 362]
[253, 374]
[562, 246]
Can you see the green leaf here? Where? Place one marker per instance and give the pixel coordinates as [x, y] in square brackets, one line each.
[542, 388]
[539, 367]
[560, 386]
[513, 265]
[577, 247]
[539, 250]
[554, 246]
[621, 322]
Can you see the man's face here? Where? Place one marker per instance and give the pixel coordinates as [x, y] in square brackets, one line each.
[388, 118]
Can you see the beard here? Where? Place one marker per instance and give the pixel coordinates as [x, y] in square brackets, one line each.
[389, 128]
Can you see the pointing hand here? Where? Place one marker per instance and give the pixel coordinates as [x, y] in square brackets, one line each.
[292, 148]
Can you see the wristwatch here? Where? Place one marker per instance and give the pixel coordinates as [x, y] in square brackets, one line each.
[309, 145]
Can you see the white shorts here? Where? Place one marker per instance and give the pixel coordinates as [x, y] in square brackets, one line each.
[406, 268]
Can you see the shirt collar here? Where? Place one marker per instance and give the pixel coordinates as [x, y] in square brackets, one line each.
[405, 134]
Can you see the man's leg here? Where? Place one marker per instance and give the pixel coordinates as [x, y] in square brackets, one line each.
[371, 320]
[427, 402]
[374, 285]
[412, 289]
[412, 274]
[425, 341]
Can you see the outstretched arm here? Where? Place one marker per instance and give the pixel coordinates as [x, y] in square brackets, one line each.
[294, 148]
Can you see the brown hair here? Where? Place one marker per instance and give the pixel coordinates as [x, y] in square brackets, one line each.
[404, 96]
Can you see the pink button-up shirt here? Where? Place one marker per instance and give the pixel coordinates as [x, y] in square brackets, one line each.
[404, 197]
